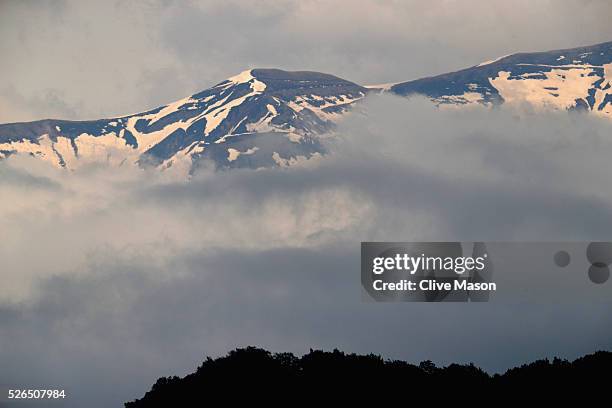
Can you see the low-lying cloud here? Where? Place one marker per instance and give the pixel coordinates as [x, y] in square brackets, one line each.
[116, 276]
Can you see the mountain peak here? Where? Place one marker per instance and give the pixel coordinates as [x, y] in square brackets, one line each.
[281, 83]
[226, 123]
[575, 78]
[247, 77]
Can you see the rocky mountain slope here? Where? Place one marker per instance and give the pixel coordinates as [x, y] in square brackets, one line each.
[268, 117]
[259, 117]
[578, 78]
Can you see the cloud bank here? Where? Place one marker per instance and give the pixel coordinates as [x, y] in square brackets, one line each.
[116, 276]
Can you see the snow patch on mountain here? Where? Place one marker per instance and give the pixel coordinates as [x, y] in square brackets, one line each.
[492, 61]
[381, 87]
[558, 88]
[233, 154]
[247, 77]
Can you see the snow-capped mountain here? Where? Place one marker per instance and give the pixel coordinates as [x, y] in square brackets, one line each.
[257, 118]
[578, 78]
[265, 117]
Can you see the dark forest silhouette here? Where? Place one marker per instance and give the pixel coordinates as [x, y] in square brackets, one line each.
[259, 376]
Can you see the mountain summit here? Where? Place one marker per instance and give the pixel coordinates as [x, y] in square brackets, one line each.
[268, 117]
[577, 78]
[259, 117]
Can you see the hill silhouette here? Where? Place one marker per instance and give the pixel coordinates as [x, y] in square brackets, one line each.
[259, 376]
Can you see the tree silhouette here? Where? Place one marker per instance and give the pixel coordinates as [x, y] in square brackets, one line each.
[254, 375]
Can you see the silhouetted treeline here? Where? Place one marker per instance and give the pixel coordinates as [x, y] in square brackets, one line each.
[258, 376]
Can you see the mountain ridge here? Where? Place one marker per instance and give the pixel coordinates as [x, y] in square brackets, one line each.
[270, 117]
[491, 81]
[285, 108]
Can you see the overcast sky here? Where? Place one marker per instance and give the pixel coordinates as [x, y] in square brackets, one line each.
[78, 59]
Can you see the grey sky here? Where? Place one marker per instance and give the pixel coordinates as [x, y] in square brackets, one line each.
[79, 59]
[115, 278]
